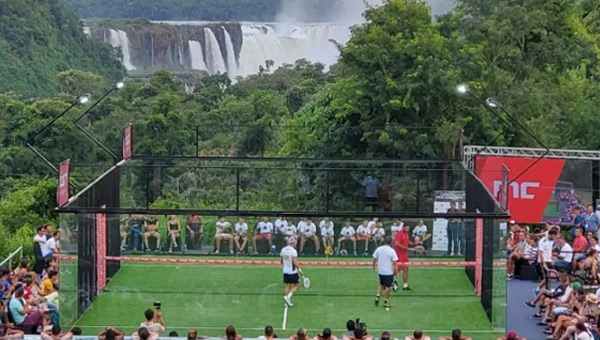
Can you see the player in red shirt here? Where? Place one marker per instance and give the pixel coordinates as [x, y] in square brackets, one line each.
[402, 247]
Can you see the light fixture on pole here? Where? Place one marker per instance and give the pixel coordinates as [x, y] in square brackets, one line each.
[81, 100]
[116, 87]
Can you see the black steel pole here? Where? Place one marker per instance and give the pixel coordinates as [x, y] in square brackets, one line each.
[237, 189]
[97, 142]
[51, 122]
[93, 105]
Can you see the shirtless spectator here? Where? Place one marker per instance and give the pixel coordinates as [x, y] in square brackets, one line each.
[326, 335]
[417, 335]
[223, 232]
[347, 234]
[269, 334]
[456, 335]
[55, 334]
[300, 335]
[151, 324]
[111, 333]
[196, 229]
[152, 231]
[359, 334]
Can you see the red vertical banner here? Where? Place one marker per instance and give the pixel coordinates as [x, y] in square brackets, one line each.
[127, 142]
[478, 255]
[62, 191]
[101, 251]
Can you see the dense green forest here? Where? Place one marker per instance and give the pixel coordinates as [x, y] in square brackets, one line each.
[540, 58]
[38, 39]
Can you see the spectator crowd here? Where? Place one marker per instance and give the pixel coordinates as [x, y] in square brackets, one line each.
[569, 310]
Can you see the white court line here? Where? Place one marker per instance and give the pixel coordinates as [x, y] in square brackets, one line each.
[473, 331]
[285, 314]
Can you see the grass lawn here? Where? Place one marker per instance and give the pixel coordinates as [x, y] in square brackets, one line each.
[208, 297]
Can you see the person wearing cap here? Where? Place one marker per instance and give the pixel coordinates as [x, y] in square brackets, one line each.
[326, 335]
[289, 260]
[417, 335]
[511, 335]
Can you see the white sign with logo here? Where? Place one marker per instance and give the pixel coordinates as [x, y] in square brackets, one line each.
[443, 202]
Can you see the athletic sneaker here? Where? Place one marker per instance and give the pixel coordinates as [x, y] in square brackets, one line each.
[406, 288]
[386, 304]
[216, 251]
[376, 301]
[530, 304]
[288, 301]
[395, 286]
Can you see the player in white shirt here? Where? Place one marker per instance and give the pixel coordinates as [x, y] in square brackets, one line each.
[396, 227]
[377, 233]
[308, 232]
[327, 235]
[384, 263]
[264, 231]
[347, 234]
[289, 259]
[280, 224]
[241, 233]
[363, 233]
[545, 246]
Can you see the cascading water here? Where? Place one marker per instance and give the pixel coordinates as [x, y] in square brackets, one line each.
[197, 56]
[119, 38]
[214, 57]
[232, 66]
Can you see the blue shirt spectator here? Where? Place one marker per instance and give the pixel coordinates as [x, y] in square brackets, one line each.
[590, 220]
[16, 306]
[371, 185]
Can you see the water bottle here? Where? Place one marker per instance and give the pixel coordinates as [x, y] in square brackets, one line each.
[273, 250]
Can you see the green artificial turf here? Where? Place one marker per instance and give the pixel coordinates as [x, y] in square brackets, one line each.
[209, 297]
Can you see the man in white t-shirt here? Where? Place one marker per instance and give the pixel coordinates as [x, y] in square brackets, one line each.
[327, 235]
[377, 233]
[373, 222]
[420, 235]
[396, 227]
[223, 232]
[545, 247]
[308, 232]
[289, 260]
[52, 243]
[241, 233]
[363, 233]
[301, 224]
[42, 240]
[289, 230]
[564, 258]
[384, 263]
[347, 234]
[264, 231]
[280, 224]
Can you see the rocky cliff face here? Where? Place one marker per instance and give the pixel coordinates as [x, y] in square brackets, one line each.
[148, 46]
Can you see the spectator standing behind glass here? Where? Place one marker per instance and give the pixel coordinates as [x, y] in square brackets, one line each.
[137, 224]
[52, 243]
[174, 231]
[372, 185]
[590, 220]
[452, 230]
[223, 232]
[196, 230]
[241, 233]
[577, 220]
[151, 324]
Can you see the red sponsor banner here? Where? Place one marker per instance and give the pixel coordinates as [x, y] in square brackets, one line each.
[127, 142]
[101, 251]
[277, 263]
[62, 191]
[529, 194]
[478, 255]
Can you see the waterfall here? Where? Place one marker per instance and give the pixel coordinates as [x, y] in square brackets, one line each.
[197, 56]
[119, 38]
[214, 57]
[232, 66]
